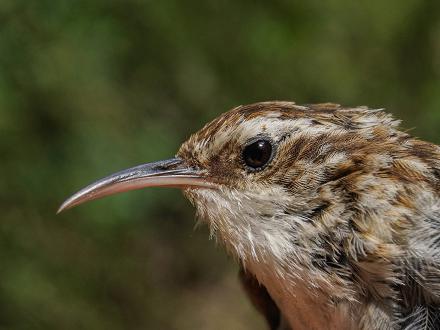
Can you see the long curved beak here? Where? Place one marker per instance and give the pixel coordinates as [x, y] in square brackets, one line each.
[169, 173]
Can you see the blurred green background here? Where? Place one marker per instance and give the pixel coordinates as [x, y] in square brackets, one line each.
[90, 87]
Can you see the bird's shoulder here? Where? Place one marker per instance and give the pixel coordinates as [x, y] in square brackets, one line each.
[261, 300]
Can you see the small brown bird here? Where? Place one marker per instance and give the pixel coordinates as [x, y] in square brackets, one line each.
[333, 213]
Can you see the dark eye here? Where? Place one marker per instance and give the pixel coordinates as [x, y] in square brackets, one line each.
[258, 154]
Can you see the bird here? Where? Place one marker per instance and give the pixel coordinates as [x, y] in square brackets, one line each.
[332, 212]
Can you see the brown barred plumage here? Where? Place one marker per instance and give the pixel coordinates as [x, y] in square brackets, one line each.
[350, 212]
[338, 229]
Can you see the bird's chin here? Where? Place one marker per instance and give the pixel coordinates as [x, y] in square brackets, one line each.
[199, 197]
[220, 209]
[211, 207]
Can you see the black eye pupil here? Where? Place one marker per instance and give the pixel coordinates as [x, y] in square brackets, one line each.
[257, 154]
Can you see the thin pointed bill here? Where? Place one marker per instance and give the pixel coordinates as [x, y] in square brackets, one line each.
[166, 173]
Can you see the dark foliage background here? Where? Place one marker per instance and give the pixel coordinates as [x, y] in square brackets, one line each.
[90, 87]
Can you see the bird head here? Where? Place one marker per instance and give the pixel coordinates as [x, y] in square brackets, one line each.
[324, 205]
[272, 180]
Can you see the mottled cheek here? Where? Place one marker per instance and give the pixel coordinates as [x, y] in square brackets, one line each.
[218, 168]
